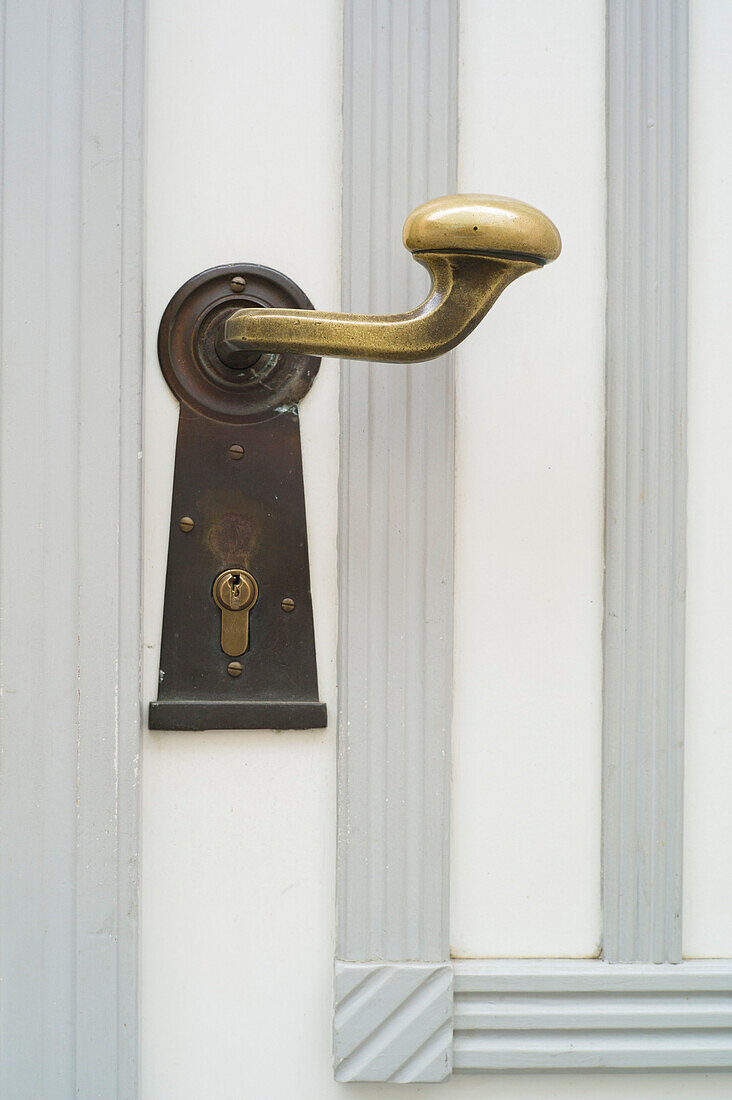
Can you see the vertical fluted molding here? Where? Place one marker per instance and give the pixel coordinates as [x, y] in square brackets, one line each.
[393, 989]
[396, 491]
[70, 546]
[396, 503]
[647, 96]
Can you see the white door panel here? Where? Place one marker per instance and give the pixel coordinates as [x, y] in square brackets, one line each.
[529, 499]
[708, 765]
[243, 148]
[260, 121]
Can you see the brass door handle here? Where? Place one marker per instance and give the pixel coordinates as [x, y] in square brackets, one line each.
[472, 245]
[238, 535]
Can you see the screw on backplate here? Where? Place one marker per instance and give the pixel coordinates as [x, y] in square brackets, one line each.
[238, 284]
[234, 668]
[287, 604]
[186, 523]
[236, 451]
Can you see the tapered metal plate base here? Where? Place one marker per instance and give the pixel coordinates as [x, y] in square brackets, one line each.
[238, 503]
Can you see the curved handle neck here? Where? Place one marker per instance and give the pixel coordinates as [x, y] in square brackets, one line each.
[464, 287]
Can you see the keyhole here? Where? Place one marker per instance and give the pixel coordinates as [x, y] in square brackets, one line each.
[235, 593]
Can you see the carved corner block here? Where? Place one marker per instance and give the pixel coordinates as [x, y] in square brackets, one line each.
[393, 1022]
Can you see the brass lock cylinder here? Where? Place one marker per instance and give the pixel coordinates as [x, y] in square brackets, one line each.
[235, 593]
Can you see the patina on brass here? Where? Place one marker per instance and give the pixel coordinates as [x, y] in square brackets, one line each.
[238, 475]
[472, 245]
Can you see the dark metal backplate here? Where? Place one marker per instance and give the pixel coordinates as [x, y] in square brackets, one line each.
[248, 513]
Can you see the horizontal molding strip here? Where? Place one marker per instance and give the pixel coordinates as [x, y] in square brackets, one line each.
[566, 1014]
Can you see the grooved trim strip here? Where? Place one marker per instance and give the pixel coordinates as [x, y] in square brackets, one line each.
[647, 98]
[70, 546]
[564, 1014]
[396, 526]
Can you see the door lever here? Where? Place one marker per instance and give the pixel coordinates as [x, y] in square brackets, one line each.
[472, 245]
[239, 345]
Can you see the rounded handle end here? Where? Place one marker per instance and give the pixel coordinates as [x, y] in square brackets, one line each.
[487, 224]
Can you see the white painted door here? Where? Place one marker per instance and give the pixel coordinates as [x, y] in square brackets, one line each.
[244, 162]
[299, 136]
[238, 851]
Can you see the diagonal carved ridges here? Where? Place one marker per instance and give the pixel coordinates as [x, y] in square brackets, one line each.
[393, 1022]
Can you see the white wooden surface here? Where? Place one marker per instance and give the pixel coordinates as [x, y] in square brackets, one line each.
[708, 807]
[238, 849]
[529, 441]
[238, 841]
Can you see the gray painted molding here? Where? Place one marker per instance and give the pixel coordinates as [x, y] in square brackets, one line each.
[396, 499]
[645, 587]
[584, 1015]
[632, 1010]
[393, 1022]
[406, 1022]
[395, 542]
[70, 546]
